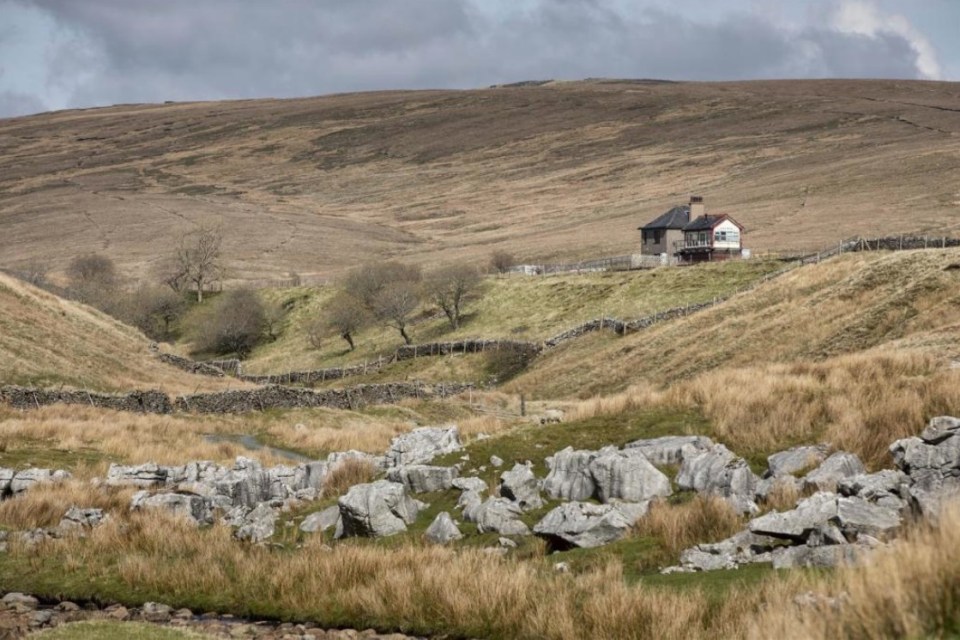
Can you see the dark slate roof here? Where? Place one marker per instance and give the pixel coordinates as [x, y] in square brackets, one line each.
[709, 222]
[676, 218]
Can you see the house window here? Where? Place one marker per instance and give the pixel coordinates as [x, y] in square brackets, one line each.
[652, 236]
[727, 236]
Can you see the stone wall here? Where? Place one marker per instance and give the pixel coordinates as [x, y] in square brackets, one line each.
[281, 397]
[135, 401]
[191, 366]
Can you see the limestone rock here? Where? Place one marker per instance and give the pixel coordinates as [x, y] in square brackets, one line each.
[799, 523]
[498, 515]
[628, 476]
[717, 471]
[321, 520]
[258, 525]
[838, 466]
[28, 478]
[819, 557]
[496, 461]
[420, 446]
[420, 478]
[795, 460]
[940, 428]
[6, 478]
[144, 475]
[570, 477]
[377, 509]
[470, 484]
[443, 529]
[856, 516]
[520, 485]
[670, 449]
[195, 508]
[79, 519]
[587, 525]
[14, 600]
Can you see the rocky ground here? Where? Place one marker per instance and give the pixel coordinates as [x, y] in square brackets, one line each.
[21, 615]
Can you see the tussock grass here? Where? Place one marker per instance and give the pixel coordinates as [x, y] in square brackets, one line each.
[346, 474]
[910, 590]
[45, 504]
[680, 526]
[412, 588]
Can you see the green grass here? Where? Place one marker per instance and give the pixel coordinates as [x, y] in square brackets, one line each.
[515, 308]
[34, 453]
[104, 630]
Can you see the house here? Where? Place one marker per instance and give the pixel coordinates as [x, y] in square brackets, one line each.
[659, 236]
[690, 234]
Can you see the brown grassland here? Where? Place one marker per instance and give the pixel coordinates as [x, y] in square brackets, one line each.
[564, 170]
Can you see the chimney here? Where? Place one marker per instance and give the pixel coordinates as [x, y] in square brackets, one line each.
[697, 208]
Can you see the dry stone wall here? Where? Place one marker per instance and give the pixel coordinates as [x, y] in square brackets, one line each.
[135, 401]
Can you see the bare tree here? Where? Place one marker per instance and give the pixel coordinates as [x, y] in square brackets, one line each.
[93, 279]
[501, 261]
[34, 273]
[235, 324]
[367, 282]
[450, 288]
[154, 310]
[199, 257]
[273, 317]
[316, 329]
[395, 304]
[345, 315]
[173, 273]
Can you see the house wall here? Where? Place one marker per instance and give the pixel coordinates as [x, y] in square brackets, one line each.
[733, 236]
[667, 238]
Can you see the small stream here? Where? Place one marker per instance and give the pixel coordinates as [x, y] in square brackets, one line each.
[250, 443]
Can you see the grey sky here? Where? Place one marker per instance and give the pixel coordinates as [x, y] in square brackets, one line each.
[74, 53]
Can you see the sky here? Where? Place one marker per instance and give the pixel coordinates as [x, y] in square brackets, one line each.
[57, 54]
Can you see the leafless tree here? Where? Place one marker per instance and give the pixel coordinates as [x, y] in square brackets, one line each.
[501, 261]
[367, 282]
[452, 287]
[34, 273]
[316, 330]
[154, 310]
[93, 279]
[273, 317]
[173, 273]
[199, 257]
[395, 304]
[235, 324]
[345, 315]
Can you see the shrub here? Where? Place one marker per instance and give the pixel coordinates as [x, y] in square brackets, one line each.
[234, 325]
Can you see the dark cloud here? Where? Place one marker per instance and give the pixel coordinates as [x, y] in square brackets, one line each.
[145, 50]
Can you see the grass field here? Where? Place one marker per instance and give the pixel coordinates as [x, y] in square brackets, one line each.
[555, 172]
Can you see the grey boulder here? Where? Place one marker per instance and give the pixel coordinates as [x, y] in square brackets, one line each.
[195, 508]
[670, 449]
[470, 484]
[422, 445]
[795, 460]
[377, 509]
[587, 525]
[498, 515]
[570, 477]
[28, 478]
[258, 525]
[718, 471]
[78, 519]
[627, 476]
[321, 520]
[443, 529]
[420, 478]
[520, 485]
[838, 466]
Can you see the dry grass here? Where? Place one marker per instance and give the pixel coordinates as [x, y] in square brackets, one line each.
[678, 527]
[348, 473]
[316, 185]
[908, 591]
[45, 504]
[414, 588]
[48, 341]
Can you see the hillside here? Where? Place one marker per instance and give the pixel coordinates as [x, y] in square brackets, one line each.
[549, 172]
[48, 341]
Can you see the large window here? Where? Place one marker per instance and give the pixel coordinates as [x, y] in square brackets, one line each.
[726, 236]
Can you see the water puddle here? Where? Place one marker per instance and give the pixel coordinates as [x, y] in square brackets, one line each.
[250, 443]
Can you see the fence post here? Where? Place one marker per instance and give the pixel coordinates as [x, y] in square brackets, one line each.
[523, 405]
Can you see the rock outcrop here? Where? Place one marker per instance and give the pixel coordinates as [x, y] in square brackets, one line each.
[443, 529]
[377, 509]
[422, 445]
[587, 525]
[419, 478]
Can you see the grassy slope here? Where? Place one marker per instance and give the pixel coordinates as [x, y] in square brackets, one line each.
[48, 341]
[319, 184]
[846, 305]
[513, 308]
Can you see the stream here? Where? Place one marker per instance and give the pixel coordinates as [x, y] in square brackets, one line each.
[251, 443]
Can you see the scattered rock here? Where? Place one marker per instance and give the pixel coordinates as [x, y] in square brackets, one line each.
[422, 445]
[470, 484]
[28, 478]
[443, 529]
[834, 469]
[520, 485]
[79, 519]
[628, 476]
[795, 460]
[587, 525]
[498, 515]
[194, 508]
[671, 449]
[716, 470]
[156, 612]
[496, 462]
[570, 477]
[258, 525]
[19, 601]
[321, 520]
[377, 509]
[423, 478]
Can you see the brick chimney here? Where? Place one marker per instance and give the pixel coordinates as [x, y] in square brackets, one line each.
[697, 208]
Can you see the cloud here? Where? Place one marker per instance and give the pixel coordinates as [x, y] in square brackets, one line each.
[109, 51]
[19, 104]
